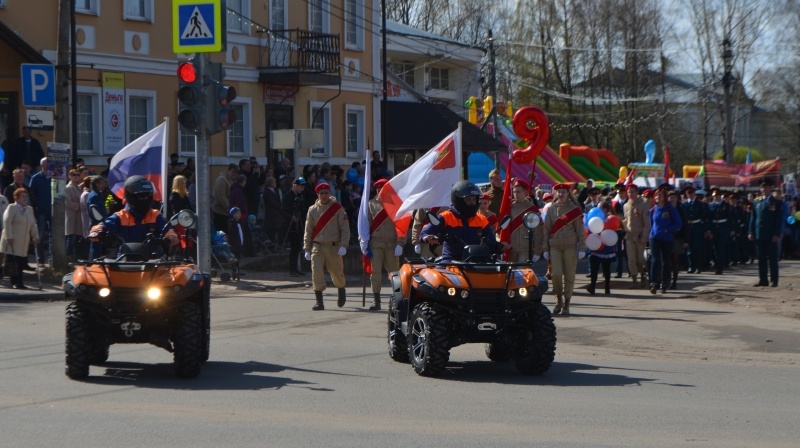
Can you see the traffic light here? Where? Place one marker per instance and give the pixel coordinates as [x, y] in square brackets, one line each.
[219, 114]
[190, 96]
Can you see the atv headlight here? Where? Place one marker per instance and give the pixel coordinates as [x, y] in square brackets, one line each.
[523, 292]
[104, 292]
[451, 292]
[153, 293]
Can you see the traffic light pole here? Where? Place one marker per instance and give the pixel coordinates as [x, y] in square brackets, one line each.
[203, 187]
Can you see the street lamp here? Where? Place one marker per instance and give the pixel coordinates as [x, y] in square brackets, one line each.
[727, 83]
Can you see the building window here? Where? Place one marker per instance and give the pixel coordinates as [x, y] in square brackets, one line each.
[277, 15]
[83, 7]
[354, 133]
[139, 10]
[321, 119]
[88, 121]
[138, 117]
[318, 16]
[354, 24]
[186, 141]
[440, 78]
[237, 16]
[404, 71]
[236, 140]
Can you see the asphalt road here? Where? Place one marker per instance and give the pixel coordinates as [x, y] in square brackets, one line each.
[631, 372]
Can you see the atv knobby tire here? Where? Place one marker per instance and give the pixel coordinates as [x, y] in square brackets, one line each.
[188, 341]
[536, 347]
[99, 353]
[428, 345]
[398, 345]
[499, 352]
[78, 346]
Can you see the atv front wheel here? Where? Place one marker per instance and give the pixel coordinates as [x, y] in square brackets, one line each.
[499, 352]
[398, 345]
[428, 340]
[99, 353]
[536, 347]
[78, 344]
[188, 341]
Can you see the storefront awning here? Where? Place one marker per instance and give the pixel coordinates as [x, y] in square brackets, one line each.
[420, 126]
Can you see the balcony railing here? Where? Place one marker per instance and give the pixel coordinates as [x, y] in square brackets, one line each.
[298, 56]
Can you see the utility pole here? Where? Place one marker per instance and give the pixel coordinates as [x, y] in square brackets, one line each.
[493, 86]
[384, 59]
[727, 83]
[62, 65]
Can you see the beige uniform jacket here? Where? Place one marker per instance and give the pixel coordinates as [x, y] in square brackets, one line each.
[572, 235]
[519, 238]
[73, 224]
[336, 231]
[496, 195]
[420, 219]
[386, 232]
[221, 194]
[636, 219]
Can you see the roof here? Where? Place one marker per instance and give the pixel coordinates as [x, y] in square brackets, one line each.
[420, 126]
[23, 47]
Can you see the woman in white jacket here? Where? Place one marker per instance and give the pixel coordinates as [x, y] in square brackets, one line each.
[19, 229]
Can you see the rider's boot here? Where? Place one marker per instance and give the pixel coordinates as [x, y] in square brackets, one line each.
[319, 305]
[376, 302]
[559, 305]
[342, 297]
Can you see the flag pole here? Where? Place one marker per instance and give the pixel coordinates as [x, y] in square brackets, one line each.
[165, 170]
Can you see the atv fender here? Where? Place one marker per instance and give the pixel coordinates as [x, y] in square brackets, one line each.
[399, 300]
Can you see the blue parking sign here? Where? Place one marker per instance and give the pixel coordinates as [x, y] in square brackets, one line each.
[38, 85]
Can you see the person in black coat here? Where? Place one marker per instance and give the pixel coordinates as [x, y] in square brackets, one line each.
[179, 197]
[766, 220]
[272, 210]
[681, 239]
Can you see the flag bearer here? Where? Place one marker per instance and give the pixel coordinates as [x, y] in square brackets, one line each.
[384, 246]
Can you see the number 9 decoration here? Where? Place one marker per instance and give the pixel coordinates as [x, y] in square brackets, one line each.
[531, 124]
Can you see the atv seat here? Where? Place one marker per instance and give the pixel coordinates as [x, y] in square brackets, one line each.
[138, 252]
[477, 253]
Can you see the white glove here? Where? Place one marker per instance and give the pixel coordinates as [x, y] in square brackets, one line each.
[418, 248]
[546, 255]
[535, 258]
[398, 250]
[364, 247]
[308, 256]
[581, 254]
[342, 251]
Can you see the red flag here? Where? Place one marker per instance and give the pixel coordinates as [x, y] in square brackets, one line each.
[629, 179]
[666, 161]
[505, 206]
[366, 263]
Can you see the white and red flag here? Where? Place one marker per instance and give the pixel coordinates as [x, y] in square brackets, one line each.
[424, 184]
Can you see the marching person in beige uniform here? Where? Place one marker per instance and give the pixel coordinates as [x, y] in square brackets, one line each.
[326, 238]
[564, 244]
[636, 220]
[521, 205]
[383, 244]
[421, 247]
[483, 209]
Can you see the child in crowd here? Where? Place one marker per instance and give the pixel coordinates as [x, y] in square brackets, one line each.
[236, 232]
[221, 248]
[602, 257]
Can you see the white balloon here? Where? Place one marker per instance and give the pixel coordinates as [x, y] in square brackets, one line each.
[609, 237]
[596, 225]
[593, 241]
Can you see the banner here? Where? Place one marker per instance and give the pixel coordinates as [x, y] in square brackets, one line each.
[742, 175]
[59, 156]
[113, 112]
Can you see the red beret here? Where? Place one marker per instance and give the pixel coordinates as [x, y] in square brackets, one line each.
[630, 186]
[486, 197]
[322, 186]
[380, 183]
[521, 183]
[562, 186]
[547, 196]
[647, 192]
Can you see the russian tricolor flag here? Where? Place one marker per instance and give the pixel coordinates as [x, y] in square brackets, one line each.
[146, 156]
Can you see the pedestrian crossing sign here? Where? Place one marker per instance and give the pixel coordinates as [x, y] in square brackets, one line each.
[198, 26]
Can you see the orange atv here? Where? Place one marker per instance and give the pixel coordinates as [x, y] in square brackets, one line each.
[140, 296]
[439, 305]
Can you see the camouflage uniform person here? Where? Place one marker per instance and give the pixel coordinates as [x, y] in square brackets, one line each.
[384, 247]
[327, 235]
[637, 225]
[495, 190]
[521, 205]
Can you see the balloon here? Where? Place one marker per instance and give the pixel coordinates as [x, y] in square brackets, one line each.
[623, 172]
[531, 124]
[649, 151]
[593, 242]
[796, 215]
[609, 237]
[790, 220]
[612, 223]
[596, 224]
[596, 212]
[2, 155]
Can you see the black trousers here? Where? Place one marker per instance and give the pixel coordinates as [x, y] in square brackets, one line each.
[661, 266]
[295, 246]
[594, 267]
[767, 255]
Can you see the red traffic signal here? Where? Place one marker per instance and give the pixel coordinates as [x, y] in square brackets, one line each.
[190, 96]
[187, 72]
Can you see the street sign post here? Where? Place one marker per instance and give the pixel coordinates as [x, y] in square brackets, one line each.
[38, 85]
[198, 26]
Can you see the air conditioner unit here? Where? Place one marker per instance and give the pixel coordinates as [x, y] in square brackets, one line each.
[312, 139]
